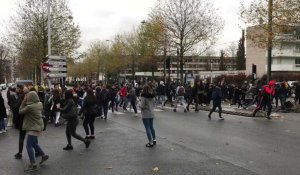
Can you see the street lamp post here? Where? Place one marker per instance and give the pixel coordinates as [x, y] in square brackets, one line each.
[270, 12]
[177, 65]
[49, 41]
[211, 71]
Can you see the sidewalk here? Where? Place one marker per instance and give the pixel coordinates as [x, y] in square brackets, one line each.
[117, 150]
[234, 110]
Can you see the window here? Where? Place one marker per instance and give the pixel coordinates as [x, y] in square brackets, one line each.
[297, 62]
[297, 48]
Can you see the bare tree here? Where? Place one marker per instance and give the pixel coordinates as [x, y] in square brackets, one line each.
[189, 23]
[284, 17]
[27, 33]
[3, 61]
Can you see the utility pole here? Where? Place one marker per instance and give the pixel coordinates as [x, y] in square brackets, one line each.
[165, 60]
[177, 65]
[49, 41]
[270, 36]
[49, 27]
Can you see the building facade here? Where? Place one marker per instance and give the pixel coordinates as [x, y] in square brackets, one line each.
[285, 53]
[201, 66]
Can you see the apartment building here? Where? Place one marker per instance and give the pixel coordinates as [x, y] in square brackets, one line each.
[202, 66]
[285, 53]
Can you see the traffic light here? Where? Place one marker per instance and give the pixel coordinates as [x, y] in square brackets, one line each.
[253, 71]
[168, 60]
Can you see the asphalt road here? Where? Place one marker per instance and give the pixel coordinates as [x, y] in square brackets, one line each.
[256, 144]
[188, 143]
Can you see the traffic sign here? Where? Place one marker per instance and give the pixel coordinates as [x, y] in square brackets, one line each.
[58, 66]
[54, 57]
[60, 69]
[57, 63]
[45, 67]
[56, 75]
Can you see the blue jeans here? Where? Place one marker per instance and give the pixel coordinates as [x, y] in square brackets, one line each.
[2, 124]
[148, 123]
[32, 146]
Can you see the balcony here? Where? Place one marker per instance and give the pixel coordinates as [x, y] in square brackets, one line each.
[287, 38]
[285, 52]
[285, 67]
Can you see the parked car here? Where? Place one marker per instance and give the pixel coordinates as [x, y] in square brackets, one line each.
[3, 86]
[24, 82]
[10, 84]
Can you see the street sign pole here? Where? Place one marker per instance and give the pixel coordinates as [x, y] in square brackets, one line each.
[56, 68]
[49, 34]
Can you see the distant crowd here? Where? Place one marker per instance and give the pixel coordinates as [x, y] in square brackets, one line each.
[34, 107]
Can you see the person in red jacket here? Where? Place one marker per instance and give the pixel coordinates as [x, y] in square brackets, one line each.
[268, 91]
[123, 94]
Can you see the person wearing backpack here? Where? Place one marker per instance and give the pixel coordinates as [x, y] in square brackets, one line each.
[180, 91]
[217, 99]
[131, 97]
[267, 93]
[69, 113]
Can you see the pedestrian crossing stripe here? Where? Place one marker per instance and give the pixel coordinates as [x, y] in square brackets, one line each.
[116, 112]
[131, 111]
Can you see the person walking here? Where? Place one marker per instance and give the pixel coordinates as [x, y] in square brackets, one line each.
[147, 111]
[89, 110]
[13, 98]
[131, 96]
[3, 115]
[161, 93]
[217, 99]
[69, 112]
[180, 91]
[297, 93]
[21, 92]
[31, 108]
[103, 100]
[113, 98]
[54, 102]
[268, 91]
[169, 94]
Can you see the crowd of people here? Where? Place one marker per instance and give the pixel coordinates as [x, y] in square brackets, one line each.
[35, 107]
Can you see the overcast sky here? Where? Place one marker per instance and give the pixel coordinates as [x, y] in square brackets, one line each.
[103, 19]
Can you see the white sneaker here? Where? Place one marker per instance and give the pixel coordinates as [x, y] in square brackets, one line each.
[136, 115]
[4, 130]
[1, 132]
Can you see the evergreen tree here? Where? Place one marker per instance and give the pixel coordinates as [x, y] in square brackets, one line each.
[222, 64]
[240, 55]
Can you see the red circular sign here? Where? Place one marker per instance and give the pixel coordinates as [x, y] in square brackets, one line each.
[45, 67]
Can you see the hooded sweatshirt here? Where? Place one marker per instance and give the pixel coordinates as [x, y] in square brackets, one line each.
[32, 111]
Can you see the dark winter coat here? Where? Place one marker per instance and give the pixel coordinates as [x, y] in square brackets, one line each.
[161, 90]
[297, 90]
[89, 106]
[2, 108]
[217, 96]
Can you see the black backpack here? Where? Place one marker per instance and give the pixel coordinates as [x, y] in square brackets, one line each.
[181, 91]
